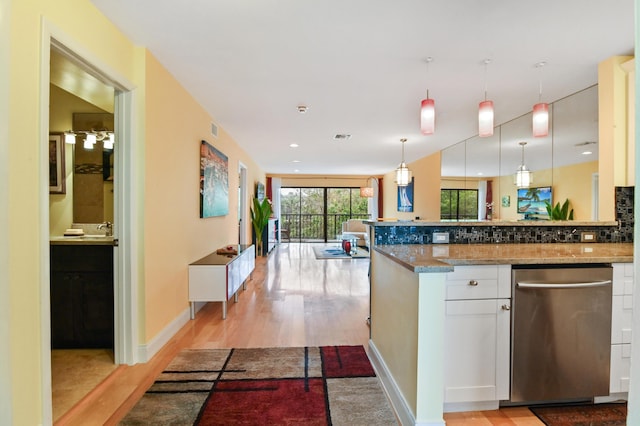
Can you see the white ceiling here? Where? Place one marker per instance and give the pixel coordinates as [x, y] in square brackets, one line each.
[360, 67]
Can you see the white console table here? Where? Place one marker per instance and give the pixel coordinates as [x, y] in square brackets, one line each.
[217, 277]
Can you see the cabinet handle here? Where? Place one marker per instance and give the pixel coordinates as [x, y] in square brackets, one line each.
[506, 307]
[473, 283]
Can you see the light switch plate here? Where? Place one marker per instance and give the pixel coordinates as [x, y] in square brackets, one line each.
[440, 238]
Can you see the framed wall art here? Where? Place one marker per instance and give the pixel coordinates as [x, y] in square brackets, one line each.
[214, 182]
[405, 197]
[56, 164]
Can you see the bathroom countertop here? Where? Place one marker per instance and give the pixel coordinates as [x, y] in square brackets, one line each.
[87, 240]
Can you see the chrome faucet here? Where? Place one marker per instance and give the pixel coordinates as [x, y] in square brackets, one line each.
[108, 227]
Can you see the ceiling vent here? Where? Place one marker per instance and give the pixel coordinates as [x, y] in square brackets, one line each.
[214, 130]
[342, 137]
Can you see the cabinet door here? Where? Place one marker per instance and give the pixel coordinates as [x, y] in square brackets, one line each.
[63, 319]
[621, 322]
[95, 327]
[476, 350]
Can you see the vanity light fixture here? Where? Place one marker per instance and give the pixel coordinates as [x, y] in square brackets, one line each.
[403, 174]
[540, 114]
[428, 111]
[485, 110]
[523, 177]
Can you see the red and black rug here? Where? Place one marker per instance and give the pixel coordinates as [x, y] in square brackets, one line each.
[614, 414]
[329, 385]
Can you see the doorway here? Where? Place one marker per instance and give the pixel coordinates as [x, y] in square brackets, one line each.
[124, 294]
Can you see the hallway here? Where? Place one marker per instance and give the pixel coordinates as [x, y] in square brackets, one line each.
[292, 299]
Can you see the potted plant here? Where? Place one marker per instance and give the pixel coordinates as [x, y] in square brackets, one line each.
[559, 213]
[260, 214]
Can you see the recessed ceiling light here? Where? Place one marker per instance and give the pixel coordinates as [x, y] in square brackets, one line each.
[294, 145]
[296, 171]
[480, 173]
[342, 137]
[302, 109]
[587, 153]
[295, 161]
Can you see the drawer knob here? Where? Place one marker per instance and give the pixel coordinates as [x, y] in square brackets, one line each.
[506, 307]
[473, 283]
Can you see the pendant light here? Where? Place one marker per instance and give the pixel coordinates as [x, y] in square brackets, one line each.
[403, 174]
[485, 110]
[540, 116]
[428, 111]
[523, 177]
[367, 190]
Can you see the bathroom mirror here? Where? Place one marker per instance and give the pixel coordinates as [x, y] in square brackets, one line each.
[79, 101]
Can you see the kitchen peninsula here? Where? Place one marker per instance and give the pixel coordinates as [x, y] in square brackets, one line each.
[415, 283]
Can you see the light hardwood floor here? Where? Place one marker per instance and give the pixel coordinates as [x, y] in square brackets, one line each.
[292, 299]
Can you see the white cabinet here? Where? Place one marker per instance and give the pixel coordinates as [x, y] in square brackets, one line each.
[217, 277]
[621, 320]
[477, 335]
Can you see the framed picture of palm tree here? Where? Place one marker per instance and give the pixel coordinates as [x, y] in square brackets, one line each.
[531, 202]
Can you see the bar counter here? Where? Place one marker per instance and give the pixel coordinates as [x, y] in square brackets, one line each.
[443, 257]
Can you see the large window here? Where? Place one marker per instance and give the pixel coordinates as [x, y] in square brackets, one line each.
[458, 204]
[316, 214]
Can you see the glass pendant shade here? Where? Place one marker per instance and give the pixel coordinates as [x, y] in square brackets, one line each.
[428, 116]
[108, 142]
[485, 119]
[70, 138]
[88, 145]
[524, 177]
[366, 191]
[91, 138]
[403, 175]
[540, 120]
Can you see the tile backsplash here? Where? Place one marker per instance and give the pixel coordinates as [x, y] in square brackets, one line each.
[509, 234]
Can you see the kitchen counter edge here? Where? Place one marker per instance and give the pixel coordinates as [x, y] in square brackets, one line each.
[434, 258]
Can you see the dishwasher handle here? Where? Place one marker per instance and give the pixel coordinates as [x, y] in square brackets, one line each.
[524, 284]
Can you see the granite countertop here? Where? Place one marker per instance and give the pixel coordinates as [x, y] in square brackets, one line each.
[443, 257]
[521, 223]
[86, 240]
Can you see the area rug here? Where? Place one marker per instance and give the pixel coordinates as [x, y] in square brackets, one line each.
[338, 253]
[329, 385]
[614, 414]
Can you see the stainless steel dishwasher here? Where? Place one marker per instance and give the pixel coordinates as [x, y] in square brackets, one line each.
[561, 332]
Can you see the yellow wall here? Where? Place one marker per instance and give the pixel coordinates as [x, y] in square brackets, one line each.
[426, 173]
[315, 181]
[613, 127]
[169, 126]
[175, 237]
[81, 21]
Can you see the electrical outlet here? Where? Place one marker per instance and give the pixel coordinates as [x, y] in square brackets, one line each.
[440, 238]
[587, 237]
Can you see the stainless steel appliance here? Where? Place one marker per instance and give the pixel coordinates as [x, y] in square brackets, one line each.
[561, 332]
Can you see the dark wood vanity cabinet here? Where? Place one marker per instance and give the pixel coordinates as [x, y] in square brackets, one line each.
[81, 296]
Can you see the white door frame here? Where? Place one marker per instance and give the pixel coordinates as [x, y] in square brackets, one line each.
[125, 206]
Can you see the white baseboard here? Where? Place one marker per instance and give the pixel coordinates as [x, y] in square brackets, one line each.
[456, 407]
[398, 402]
[614, 397]
[147, 351]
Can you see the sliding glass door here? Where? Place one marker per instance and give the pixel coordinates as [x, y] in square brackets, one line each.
[316, 214]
